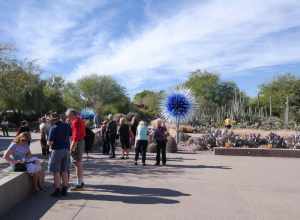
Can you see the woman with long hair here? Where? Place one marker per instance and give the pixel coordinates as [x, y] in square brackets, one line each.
[124, 134]
[18, 154]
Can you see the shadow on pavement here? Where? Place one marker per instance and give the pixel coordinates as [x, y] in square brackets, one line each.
[200, 167]
[32, 208]
[130, 194]
[37, 205]
[110, 168]
[141, 200]
[136, 190]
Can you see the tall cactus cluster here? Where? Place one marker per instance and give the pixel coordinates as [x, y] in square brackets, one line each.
[244, 115]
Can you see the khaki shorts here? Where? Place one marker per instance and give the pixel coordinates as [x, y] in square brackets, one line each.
[78, 152]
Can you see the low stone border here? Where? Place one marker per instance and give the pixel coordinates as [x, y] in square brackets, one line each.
[14, 188]
[263, 152]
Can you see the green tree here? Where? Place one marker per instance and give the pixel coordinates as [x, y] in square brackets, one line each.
[283, 86]
[103, 93]
[72, 96]
[148, 101]
[210, 91]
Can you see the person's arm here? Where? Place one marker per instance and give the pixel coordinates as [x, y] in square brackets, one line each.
[29, 154]
[7, 156]
[75, 134]
[51, 137]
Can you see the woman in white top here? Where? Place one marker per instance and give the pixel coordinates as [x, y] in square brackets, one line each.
[141, 142]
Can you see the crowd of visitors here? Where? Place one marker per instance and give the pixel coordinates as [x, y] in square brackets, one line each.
[64, 139]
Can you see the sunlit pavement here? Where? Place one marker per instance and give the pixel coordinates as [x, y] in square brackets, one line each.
[191, 186]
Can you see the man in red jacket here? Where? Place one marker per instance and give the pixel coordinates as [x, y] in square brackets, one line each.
[77, 145]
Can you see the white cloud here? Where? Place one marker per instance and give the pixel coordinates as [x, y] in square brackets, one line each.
[225, 36]
[41, 28]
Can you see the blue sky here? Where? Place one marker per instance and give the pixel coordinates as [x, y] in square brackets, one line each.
[154, 44]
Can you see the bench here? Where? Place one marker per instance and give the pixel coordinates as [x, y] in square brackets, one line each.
[14, 188]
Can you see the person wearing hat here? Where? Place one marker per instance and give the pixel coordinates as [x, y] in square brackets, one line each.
[59, 141]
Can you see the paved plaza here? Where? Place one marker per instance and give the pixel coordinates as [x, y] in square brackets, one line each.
[192, 186]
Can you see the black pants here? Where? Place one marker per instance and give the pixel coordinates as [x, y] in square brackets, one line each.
[161, 148]
[111, 145]
[105, 147]
[45, 147]
[5, 131]
[141, 147]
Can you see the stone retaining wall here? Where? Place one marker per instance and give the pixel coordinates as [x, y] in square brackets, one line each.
[14, 188]
[257, 152]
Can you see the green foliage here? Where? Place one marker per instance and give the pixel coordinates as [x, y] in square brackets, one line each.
[71, 96]
[286, 85]
[23, 92]
[148, 102]
[210, 92]
[104, 94]
[19, 88]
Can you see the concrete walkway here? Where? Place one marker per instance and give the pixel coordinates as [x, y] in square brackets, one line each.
[192, 186]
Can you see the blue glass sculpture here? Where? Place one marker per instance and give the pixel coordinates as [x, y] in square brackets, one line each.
[178, 106]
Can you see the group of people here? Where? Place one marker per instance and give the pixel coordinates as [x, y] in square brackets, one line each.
[132, 133]
[63, 139]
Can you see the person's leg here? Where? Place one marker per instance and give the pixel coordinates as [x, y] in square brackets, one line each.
[144, 150]
[65, 179]
[57, 180]
[79, 167]
[112, 147]
[44, 153]
[65, 183]
[65, 169]
[35, 181]
[108, 146]
[6, 131]
[47, 150]
[41, 180]
[158, 148]
[123, 149]
[164, 154]
[137, 152]
[104, 147]
[127, 149]
[57, 184]
[79, 172]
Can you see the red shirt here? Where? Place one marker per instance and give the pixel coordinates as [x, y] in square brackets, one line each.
[78, 129]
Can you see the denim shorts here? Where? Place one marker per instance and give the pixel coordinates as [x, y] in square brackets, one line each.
[59, 161]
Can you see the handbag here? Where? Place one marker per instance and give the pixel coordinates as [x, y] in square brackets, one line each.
[20, 167]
